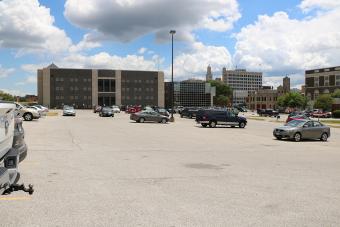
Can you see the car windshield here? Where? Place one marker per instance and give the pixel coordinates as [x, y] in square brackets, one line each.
[68, 108]
[107, 108]
[295, 123]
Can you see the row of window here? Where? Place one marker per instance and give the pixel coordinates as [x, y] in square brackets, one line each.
[326, 81]
[61, 79]
[139, 81]
[73, 97]
[138, 98]
[137, 89]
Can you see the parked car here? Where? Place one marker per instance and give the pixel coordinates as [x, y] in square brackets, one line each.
[10, 153]
[40, 111]
[189, 112]
[69, 111]
[212, 118]
[302, 129]
[163, 112]
[268, 113]
[296, 116]
[148, 115]
[115, 109]
[18, 139]
[97, 109]
[133, 109]
[45, 109]
[27, 113]
[106, 112]
[321, 114]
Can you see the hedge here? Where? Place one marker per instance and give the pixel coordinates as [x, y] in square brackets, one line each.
[336, 114]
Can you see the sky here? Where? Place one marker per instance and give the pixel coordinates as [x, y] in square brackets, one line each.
[276, 37]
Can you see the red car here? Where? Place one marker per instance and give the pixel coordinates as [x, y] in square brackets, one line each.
[133, 109]
[296, 117]
[320, 114]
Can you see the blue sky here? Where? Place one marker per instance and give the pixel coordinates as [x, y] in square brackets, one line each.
[276, 37]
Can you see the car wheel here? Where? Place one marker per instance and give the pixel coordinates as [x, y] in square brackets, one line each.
[242, 125]
[278, 137]
[181, 116]
[190, 116]
[204, 125]
[297, 137]
[212, 124]
[141, 120]
[164, 121]
[28, 117]
[324, 137]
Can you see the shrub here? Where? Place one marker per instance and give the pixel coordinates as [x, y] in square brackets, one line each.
[336, 114]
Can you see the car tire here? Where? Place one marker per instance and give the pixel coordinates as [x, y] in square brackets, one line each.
[297, 137]
[164, 121]
[181, 116]
[204, 125]
[212, 124]
[324, 137]
[141, 120]
[28, 117]
[241, 125]
[278, 137]
[190, 116]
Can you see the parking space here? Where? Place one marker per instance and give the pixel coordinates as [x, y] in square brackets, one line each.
[92, 171]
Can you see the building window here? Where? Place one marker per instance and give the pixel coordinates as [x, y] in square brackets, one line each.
[326, 81]
[337, 80]
[316, 82]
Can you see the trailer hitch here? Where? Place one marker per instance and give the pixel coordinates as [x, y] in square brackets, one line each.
[19, 187]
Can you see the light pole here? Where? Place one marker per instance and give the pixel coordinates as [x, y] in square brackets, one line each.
[172, 32]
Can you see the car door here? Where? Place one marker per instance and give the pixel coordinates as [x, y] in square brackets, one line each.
[232, 118]
[307, 130]
[317, 130]
[153, 116]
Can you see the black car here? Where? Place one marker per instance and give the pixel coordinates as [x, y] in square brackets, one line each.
[189, 112]
[268, 112]
[106, 112]
[212, 118]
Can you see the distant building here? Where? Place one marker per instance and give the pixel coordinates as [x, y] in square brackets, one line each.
[209, 75]
[190, 93]
[242, 82]
[321, 81]
[263, 98]
[286, 85]
[30, 98]
[84, 88]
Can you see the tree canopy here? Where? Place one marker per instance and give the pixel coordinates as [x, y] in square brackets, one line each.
[324, 102]
[223, 93]
[336, 93]
[292, 100]
[6, 97]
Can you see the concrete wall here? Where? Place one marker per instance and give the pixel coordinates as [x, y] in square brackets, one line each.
[94, 87]
[46, 87]
[118, 87]
[161, 91]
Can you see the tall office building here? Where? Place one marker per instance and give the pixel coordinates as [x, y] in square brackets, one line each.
[209, 75]
[84, 88]
[321, 81]
[286, 84]
[190, 93]
[242, 82]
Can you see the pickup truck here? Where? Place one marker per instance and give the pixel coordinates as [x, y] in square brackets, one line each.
[212, 118]
[13, 149]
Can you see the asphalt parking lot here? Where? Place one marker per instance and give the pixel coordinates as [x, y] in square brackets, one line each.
[91, 171]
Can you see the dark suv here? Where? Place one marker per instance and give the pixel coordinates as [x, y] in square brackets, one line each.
[268, 113]
[220, 117]
[189, 112]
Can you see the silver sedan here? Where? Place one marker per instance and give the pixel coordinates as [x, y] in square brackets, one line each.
[303, 129]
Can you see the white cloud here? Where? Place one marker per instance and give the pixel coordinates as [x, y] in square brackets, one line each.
[33, 68]
[193, 64]
[280, 44]
[28, 80]
[105, 60]
[4, 72]
[308, 5]
[85, 44]
[29, 26]
[142, 50]
[126, 20]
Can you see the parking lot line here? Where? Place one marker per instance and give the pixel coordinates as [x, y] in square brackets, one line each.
[15, 198]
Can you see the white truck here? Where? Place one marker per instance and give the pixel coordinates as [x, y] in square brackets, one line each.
[12, 149]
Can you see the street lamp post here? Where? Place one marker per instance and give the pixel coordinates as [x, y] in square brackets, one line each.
[172, 32]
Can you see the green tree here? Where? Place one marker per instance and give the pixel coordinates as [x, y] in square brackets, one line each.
[6, 97]
[336, 93]
[292, 100]
[324, 102]
[223, 93]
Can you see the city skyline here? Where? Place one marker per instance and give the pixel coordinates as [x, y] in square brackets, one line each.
[274, 38]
